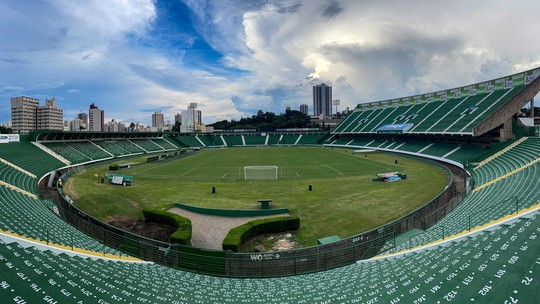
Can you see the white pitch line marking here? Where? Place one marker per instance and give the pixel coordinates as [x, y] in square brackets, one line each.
[224, 175]
[334, 169]
[187, 172]
[297, 174]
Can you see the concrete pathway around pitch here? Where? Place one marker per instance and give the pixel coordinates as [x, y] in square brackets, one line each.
[209, 231]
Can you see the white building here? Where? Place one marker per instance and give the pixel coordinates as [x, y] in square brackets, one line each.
[49, 116]
[192, 120]
[115, 126]
[158, 121]
[75, 124]
[96, 119]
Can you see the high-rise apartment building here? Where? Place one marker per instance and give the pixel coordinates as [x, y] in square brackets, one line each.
[23, 114]
[28, 116]
[158, 121]
[322, 100]
[96, 119]
[115, 126]
[192, 119]
[304, 109]
[49, 116]
[84, 121]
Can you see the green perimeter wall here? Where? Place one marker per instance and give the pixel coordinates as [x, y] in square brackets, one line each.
[232, 212]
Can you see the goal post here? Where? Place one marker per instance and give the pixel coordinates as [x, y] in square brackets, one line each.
[76, 170]
[260, 172]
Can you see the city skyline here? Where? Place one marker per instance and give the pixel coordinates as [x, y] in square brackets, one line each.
[235, 57]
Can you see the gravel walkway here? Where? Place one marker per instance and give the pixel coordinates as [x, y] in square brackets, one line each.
[209, 231]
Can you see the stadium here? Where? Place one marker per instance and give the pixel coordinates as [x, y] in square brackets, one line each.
[475, 242]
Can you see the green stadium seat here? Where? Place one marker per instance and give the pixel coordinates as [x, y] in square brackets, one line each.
[233, 140]
[486, 267]
[254, 140]
[452, 116]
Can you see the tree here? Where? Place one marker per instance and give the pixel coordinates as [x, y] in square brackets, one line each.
[5, 130]
[176, 127]
[268, 121]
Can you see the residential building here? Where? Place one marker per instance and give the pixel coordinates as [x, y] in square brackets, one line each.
[158, 121]
[115, 126]
[49, 116]
[304, 109]
[76, 124]
[96, 119]
[322, 100]
[192, 119]
[27, 115]
[84, 120]
[23, 114]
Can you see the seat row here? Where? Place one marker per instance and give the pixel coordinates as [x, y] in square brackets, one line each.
[32, 219]
[454, 115]
[250, 140]
[496, 200]
[493, 266]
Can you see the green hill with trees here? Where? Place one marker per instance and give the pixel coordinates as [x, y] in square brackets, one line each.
[268, 121]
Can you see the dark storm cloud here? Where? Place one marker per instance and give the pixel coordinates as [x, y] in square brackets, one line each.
[332, 9]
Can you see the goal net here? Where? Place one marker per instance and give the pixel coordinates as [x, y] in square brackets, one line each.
[76, 170]
[260, 172]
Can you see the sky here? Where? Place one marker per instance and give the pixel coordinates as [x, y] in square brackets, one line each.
[235, 57]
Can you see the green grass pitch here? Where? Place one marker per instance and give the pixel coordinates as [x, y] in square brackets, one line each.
[343, 202]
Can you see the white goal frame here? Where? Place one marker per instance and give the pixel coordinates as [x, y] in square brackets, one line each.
[261, 172]
[76, 169]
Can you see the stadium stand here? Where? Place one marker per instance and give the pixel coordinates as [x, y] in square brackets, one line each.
[164, 144]
[17, 178]
[496, 194]
[273, 139]
[218, 140]
[147, 145]
[30, 158]
[189, 141]
[254, 140]
[455, 111]
[114, 148]
[208, 140]
[79, 152]
[129, 146]
[90, 149]
[68, 152]
[477, 268]
[30, 218]
[289, 139]
[311, 139]
[233, 140]
[485, 250]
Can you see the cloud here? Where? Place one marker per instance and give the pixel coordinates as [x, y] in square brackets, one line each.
[236, 57]
[332, 9]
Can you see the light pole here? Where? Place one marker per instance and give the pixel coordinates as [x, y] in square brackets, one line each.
[336, 102]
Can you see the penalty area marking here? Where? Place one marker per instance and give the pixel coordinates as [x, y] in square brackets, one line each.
[224, 175]
[334, 169]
